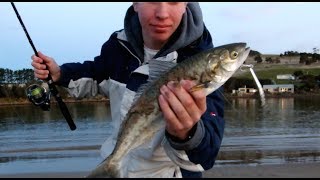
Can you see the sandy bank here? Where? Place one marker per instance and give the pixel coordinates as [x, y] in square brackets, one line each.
[299, 170]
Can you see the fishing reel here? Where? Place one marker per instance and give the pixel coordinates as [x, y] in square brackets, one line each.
[39, 96]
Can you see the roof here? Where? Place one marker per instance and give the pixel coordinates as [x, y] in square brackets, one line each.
[278, 86]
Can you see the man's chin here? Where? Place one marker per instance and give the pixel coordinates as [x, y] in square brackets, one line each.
[161, 37]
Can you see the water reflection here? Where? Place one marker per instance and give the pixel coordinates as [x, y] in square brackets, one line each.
[286, 131]
[256, 157]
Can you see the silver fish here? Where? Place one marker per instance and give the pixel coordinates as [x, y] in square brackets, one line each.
[210, 69]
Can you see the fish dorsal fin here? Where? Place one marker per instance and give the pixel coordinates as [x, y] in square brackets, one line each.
[156, 69]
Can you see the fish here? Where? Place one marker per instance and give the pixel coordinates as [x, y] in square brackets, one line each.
[210, 69]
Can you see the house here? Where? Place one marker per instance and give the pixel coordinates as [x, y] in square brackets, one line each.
[278, 88]
[285, 76]
[244, 91]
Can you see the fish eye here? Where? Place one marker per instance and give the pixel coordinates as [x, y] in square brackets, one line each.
[234, 54]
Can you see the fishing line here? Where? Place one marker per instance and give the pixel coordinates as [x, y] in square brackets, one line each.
[260, 89]
[37, 94]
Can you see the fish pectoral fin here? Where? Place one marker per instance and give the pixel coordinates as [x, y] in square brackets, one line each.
[218, 78]
[197, 87]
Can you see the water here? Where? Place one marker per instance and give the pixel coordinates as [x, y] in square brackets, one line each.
[35, 141]
[286, 131]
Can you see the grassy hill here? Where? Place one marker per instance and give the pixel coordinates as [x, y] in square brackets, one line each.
[268, 71]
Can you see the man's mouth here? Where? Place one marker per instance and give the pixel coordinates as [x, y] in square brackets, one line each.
[160, 27]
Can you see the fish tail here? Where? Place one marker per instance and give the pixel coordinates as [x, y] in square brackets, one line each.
[104, 171]
[97, 172]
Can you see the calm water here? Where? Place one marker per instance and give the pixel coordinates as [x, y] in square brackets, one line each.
[286, 131]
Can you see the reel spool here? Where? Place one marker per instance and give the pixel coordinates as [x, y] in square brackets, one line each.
[39, 96]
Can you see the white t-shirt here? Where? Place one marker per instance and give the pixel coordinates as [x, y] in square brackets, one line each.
[149, 54]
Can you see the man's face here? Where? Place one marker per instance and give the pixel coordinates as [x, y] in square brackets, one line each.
[159, 20]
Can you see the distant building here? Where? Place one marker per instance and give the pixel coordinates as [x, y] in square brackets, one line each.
[244, 91]
[279, 88]
[285, 76]
[10, 85]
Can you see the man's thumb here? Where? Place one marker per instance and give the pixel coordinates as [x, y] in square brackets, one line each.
[45, 58]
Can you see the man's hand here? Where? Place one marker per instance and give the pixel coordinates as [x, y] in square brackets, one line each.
[181, 109]
[41, 63]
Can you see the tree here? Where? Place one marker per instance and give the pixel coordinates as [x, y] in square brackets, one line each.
[2, 77]
[303, 58]
[309, 82]
[269, 60]
[298, 74]
[316, 57]
[254, 53]
[258, 59]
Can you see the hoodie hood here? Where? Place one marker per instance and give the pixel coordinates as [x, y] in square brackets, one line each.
[190, 29]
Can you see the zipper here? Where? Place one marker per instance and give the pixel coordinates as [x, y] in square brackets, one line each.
[130, 52]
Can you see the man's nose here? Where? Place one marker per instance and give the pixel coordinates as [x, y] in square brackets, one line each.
[162, 10]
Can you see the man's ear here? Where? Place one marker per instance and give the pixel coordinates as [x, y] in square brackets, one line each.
[134, 4]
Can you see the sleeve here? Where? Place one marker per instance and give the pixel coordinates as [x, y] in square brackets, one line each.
[199, 152]
[96, 69]
[212, 127]
[82, 79]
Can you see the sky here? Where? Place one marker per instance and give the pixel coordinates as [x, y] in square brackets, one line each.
[75, 32]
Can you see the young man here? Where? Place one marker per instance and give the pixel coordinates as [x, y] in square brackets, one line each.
[168, 31]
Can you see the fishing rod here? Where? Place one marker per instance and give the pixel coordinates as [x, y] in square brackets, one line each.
[37, 94]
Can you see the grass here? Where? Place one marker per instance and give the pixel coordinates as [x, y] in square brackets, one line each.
[271, 72]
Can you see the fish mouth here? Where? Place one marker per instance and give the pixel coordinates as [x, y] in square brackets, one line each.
[246, 51]
[243, 57]
[245, 54]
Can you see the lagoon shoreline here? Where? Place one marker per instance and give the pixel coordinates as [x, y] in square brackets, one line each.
[24, 101]
[294, 170]
[20, 101]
